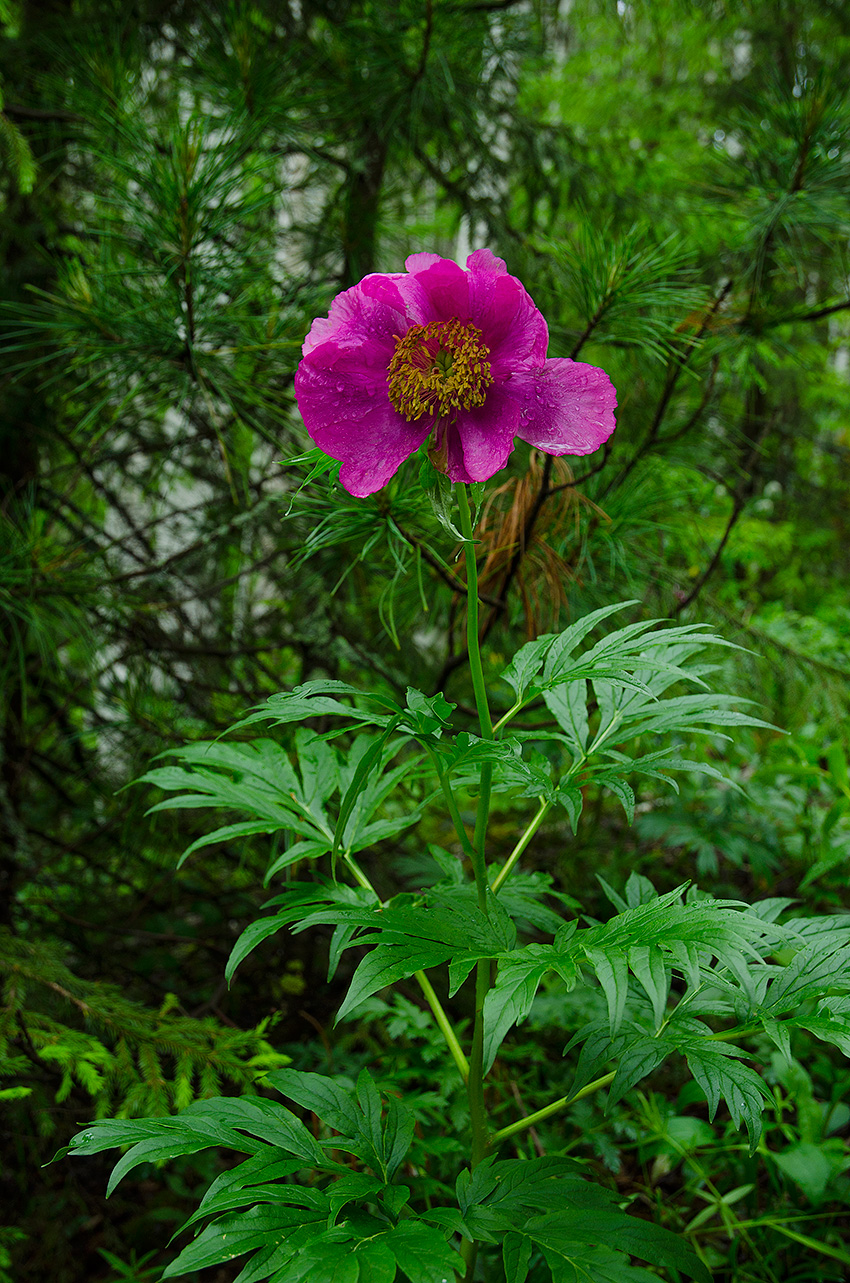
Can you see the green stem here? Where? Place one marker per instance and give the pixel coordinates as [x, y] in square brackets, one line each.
[813, 1244]
[451, 803]
[424, 984]
[476, 669]
[359, 875]
[475, 1083]
[506, 717]
[479, 687]
[469, 1253]
[480, 840]
[729, 1035]
[443, 1022]
[522, 1123]
[521, 845]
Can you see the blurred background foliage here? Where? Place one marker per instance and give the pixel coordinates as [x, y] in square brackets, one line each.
[183, 187]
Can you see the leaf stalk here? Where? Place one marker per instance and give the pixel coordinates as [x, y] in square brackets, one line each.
[522, 1124]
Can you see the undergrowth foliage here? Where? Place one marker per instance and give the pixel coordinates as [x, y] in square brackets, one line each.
[335, 1179]
[126, 1057]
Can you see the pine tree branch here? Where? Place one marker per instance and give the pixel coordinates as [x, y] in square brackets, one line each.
[674, 373]
[20, 112]
[755, 414]
[816, 315]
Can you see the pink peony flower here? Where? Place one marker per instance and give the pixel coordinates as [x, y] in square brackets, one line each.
[436, 349]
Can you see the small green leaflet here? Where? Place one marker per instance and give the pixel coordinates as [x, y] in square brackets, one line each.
[327, 1099]
[423, 1253]
[370, 758]
[260, 781]
[516, 1256]
[568, 705]
[550, 1203]
[245, 1231]
[239, 1123]
[576, 1262]
[447, 924]
[293, 904]
[517, 981]
[426, 715]
[315, 699]
[440, 494]
[721, 1075]
[526, 664]
[379, 1134]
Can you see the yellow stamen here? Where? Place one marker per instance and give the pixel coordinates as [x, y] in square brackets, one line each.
[438, 369]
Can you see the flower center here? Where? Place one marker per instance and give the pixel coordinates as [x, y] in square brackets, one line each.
[439, 368]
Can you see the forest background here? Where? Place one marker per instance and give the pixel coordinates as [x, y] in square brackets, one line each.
[183, 187]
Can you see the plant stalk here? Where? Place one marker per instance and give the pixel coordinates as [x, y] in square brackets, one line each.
[521, 845]
[478, 685]
[445, 1026]
[451, 805]
[548, 1110]
[475, 1083]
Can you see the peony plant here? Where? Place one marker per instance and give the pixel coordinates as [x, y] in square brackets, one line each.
[340, 1183]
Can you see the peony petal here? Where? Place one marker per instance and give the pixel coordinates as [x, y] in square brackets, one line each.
[447, 445]
[362, 363]
[385, 441]
[403, 294]
[513, 328]
[484, 260]
[347, 412]
[419, 262]
[359, 314]
[447, 287]
[566, 407]
[487, 436]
